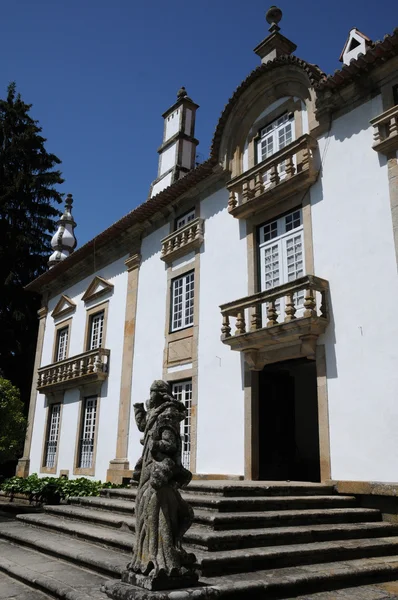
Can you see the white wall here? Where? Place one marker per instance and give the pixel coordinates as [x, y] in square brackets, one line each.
[162, 184]
[168, 159]
[354, 251]
[188, 121]
[223, 277]
[150, 329]
[172, 124]
[109, 404]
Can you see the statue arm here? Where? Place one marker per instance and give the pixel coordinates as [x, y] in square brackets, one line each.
[140, 416]
[168, 444]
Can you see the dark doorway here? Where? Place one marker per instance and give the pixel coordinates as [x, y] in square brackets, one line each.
[288, 422]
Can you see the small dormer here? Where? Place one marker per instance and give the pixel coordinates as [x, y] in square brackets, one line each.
[357, 43]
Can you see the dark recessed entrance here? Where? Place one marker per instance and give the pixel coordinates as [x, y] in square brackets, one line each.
[288, 422]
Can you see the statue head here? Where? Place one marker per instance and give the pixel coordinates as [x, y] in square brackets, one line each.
[160, 392]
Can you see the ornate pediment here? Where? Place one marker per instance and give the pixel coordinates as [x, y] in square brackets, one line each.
[97, 288]
[65, 306]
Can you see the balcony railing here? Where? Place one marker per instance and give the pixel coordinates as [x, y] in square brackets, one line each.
[283, 174]
[87, 367]
[386, 131]
[265, 335]
[183, 240]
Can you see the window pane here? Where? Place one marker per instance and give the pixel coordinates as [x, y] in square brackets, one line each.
[97, 327]
[181, 221]
[88, 433]
[53, 432]
[183, 392]
[182, 301]
[293, 220]
[62, 343]
[189, 297]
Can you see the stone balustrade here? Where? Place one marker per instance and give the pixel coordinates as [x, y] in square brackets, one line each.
[89, 366]
[385, 134]
[260, 328]
[183, 240]
[283, 174]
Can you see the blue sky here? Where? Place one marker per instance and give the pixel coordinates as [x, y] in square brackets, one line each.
[100, 73]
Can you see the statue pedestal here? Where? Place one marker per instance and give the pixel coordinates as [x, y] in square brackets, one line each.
[136, 587]
[160, 582]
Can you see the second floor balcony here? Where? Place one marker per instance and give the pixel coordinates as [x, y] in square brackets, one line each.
[88, 367]
[287, 172]
[279, 324]
[183, 240]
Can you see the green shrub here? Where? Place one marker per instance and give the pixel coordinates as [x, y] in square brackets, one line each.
[50, 490]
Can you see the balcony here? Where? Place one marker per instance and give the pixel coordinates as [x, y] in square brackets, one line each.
[293, 337]
[385, 134]
[88, 367]
[287, 172]
[182, 241]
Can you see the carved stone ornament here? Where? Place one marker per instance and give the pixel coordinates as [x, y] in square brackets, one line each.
[162, 516]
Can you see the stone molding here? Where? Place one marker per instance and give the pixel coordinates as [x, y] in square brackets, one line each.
[133, 262]
[98, 287]
[65, 306]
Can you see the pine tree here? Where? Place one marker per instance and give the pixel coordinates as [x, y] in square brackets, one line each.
[28, 194]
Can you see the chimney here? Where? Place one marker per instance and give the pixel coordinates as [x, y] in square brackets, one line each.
[178, 150]
[63, 241]
[275, 44]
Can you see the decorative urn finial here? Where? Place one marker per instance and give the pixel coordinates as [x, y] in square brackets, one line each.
[273, 16]
[63, 241]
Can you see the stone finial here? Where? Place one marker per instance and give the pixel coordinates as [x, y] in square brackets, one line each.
[273, 16]
[63, 241]
[182, 93]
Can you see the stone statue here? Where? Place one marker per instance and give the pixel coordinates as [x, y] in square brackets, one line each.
[162, 516]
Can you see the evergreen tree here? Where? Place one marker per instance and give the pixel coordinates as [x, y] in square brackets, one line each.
[28, 180]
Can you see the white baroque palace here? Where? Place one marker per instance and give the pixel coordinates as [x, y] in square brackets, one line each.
[262, 284]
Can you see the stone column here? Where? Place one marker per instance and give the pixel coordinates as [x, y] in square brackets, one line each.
[23, 463]
[119, 467]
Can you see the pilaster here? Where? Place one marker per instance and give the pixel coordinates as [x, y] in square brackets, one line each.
[24, 462]
[119, 467]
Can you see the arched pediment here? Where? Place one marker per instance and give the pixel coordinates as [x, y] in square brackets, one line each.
[286, 76]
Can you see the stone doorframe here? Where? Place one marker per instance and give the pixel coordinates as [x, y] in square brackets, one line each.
[252, 426]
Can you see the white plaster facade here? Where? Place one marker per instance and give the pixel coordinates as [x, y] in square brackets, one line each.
[348, 236]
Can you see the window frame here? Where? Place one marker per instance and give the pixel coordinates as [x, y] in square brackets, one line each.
[88, 393]
[56, 401]
[188, 421]
[58, 328]
[395, 94]
[290, 118]
[184, 216]
[184, 276]
[91, 313]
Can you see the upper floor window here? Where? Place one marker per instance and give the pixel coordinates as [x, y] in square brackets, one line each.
[185, 219]
[62, 343]
[182, 391]
[281, 246]
[395, 94]
[275, 136]
[52, 436]
[96, 330]
[182, 299]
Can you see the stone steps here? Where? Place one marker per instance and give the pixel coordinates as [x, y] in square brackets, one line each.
[223, 521]
[76, 519]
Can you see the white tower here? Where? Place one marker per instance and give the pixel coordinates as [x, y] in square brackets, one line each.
[63, 241]
[178, 150]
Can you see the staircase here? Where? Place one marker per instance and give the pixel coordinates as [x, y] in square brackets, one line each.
[251, 540]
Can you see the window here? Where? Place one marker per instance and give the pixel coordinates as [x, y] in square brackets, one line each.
[395, 94]
[96, 330]
[185, 219]
[281, 246]
[52, 436]
[62, 343]
[182, 391]
[88, 433]
[275, 136]
[182, 298]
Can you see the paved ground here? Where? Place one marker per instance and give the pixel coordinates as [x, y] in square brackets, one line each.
[381, 591]
[10, 589]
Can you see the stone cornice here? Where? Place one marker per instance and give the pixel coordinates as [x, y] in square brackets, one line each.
[133, 262]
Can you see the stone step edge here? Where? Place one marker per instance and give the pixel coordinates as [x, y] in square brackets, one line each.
[80, 559]
[41, 582]
[208, 538]
[277, 588]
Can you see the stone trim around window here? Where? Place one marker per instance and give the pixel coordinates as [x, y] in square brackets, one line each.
[91, 312]
[85, 392]
[61, 325]
[65, 306]
[51, 399]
